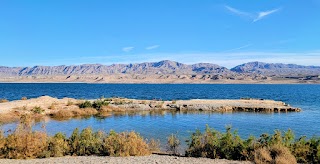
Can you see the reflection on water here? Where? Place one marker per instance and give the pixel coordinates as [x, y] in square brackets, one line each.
[159, 124]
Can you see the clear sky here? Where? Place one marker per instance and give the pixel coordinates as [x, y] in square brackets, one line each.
[225, 32]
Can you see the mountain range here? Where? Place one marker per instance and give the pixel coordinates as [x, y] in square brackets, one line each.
[166, 69]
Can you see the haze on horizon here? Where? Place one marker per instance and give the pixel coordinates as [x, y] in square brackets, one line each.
[228, 33]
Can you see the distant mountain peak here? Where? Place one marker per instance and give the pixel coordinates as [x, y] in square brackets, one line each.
[276, 69]
[164, 67]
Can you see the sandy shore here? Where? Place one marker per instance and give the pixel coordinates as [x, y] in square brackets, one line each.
[152, 159]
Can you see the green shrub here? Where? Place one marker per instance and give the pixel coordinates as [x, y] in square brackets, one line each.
[58, 145]
[314, 155]
[98, 104]
[86, 104]
[74, 142]
[37, 110]
[90, 143]
[213, 144]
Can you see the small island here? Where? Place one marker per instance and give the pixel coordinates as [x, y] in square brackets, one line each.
[11, 111]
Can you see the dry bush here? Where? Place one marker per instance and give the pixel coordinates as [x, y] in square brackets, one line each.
[2, 144]
[282, 155]
[24, 98]
[89, 111]
[262, 156]
[125, 144]
[3, 100]
[69, 113]
[154, 145]
[277, 154]
[77, 112]
[61, 114]
[24, 143]
[173, 144]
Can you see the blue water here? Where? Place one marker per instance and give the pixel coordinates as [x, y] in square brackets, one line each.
[306, 97]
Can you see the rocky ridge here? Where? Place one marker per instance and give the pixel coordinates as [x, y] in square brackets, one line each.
[165, 71]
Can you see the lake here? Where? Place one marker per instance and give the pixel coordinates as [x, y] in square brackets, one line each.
[183, 124]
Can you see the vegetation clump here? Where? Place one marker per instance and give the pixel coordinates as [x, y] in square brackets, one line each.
[125, 144]
[276, 148]
[173, 144]
[86, 104]
[99, 104]
[37, 110]
[24, 98]
[3, 100]
[154, 145]
[24, 143]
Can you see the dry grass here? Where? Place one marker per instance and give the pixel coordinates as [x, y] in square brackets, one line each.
[110, 108]
[69, 113]
[262, 156]
[24, 98]
[104, 113]
[53, 106]
[3, 100]
[282, 155]
[277, 154]
[9, 117]
[154, 145]
[69, 103]
[173, 144]
[62, 114]
[2, 144]
[89, 111]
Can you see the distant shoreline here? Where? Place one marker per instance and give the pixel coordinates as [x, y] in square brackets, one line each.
[195, 83]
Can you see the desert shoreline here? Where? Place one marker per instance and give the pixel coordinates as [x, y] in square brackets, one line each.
[181, 83]
[163, 159]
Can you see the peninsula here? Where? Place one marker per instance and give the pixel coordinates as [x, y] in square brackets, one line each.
[68, 107]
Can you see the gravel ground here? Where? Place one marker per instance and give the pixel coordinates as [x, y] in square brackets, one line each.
[152, 159]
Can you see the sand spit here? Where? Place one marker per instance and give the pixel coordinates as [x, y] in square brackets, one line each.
[152, 159]
[51, 105]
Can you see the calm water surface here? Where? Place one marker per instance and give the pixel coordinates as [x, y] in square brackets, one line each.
[158, 126]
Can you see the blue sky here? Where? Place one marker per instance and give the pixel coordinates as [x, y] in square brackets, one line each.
[225, 32]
